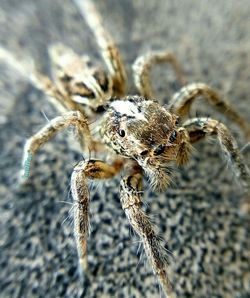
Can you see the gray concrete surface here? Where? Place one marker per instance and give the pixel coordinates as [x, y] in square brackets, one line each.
[201, 217]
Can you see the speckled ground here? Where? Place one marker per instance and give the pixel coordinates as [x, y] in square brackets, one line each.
[201, 218]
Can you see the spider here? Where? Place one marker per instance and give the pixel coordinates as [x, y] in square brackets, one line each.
[142, 136]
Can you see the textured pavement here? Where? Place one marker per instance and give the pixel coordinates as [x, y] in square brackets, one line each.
[202, 217]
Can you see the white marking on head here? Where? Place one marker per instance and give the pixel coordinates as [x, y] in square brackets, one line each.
[128, 108]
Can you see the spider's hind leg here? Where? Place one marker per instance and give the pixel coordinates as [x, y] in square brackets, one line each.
[109, 50]
[27, 69]
[199, 128]
[143, 65]
[91, 169]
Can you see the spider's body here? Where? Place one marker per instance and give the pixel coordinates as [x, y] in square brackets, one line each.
[144, 131]
[144, 136]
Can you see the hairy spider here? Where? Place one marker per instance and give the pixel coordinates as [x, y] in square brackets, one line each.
[142, 136]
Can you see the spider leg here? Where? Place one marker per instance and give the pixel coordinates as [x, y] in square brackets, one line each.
[143, 65]
[49, 131]
[199, 128]
[90, 169]
[109, 50]
[26, 68]
[182, 101]
[62, 101]
[130, 189]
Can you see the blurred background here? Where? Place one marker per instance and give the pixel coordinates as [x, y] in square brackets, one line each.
[203, 217]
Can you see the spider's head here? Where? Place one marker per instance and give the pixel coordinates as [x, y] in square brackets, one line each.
[85, 83]
[145, 131]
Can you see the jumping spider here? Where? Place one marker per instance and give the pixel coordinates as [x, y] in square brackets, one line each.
[143, 136]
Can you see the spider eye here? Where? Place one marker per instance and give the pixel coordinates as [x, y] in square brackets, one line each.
[173, 136]
[177, 121]
[121, 133]
[159, 150]
[144, 152]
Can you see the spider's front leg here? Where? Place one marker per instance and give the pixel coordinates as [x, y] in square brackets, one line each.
[181, 102]
[143, 65]
[90, 169]
[109, 50]
[49, 131]
[199, 128]
[130, 189]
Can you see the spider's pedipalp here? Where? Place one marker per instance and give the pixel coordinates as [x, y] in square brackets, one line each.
[199, 128]
[181, 102]
[143, 65]
[130, 189]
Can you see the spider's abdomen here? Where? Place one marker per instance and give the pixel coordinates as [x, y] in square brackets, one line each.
[77, 77]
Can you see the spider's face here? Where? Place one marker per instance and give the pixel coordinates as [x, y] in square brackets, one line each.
[83, 82]
[145, 131]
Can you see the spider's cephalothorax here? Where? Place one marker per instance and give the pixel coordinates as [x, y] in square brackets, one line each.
[147, 132]
[143, 135]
